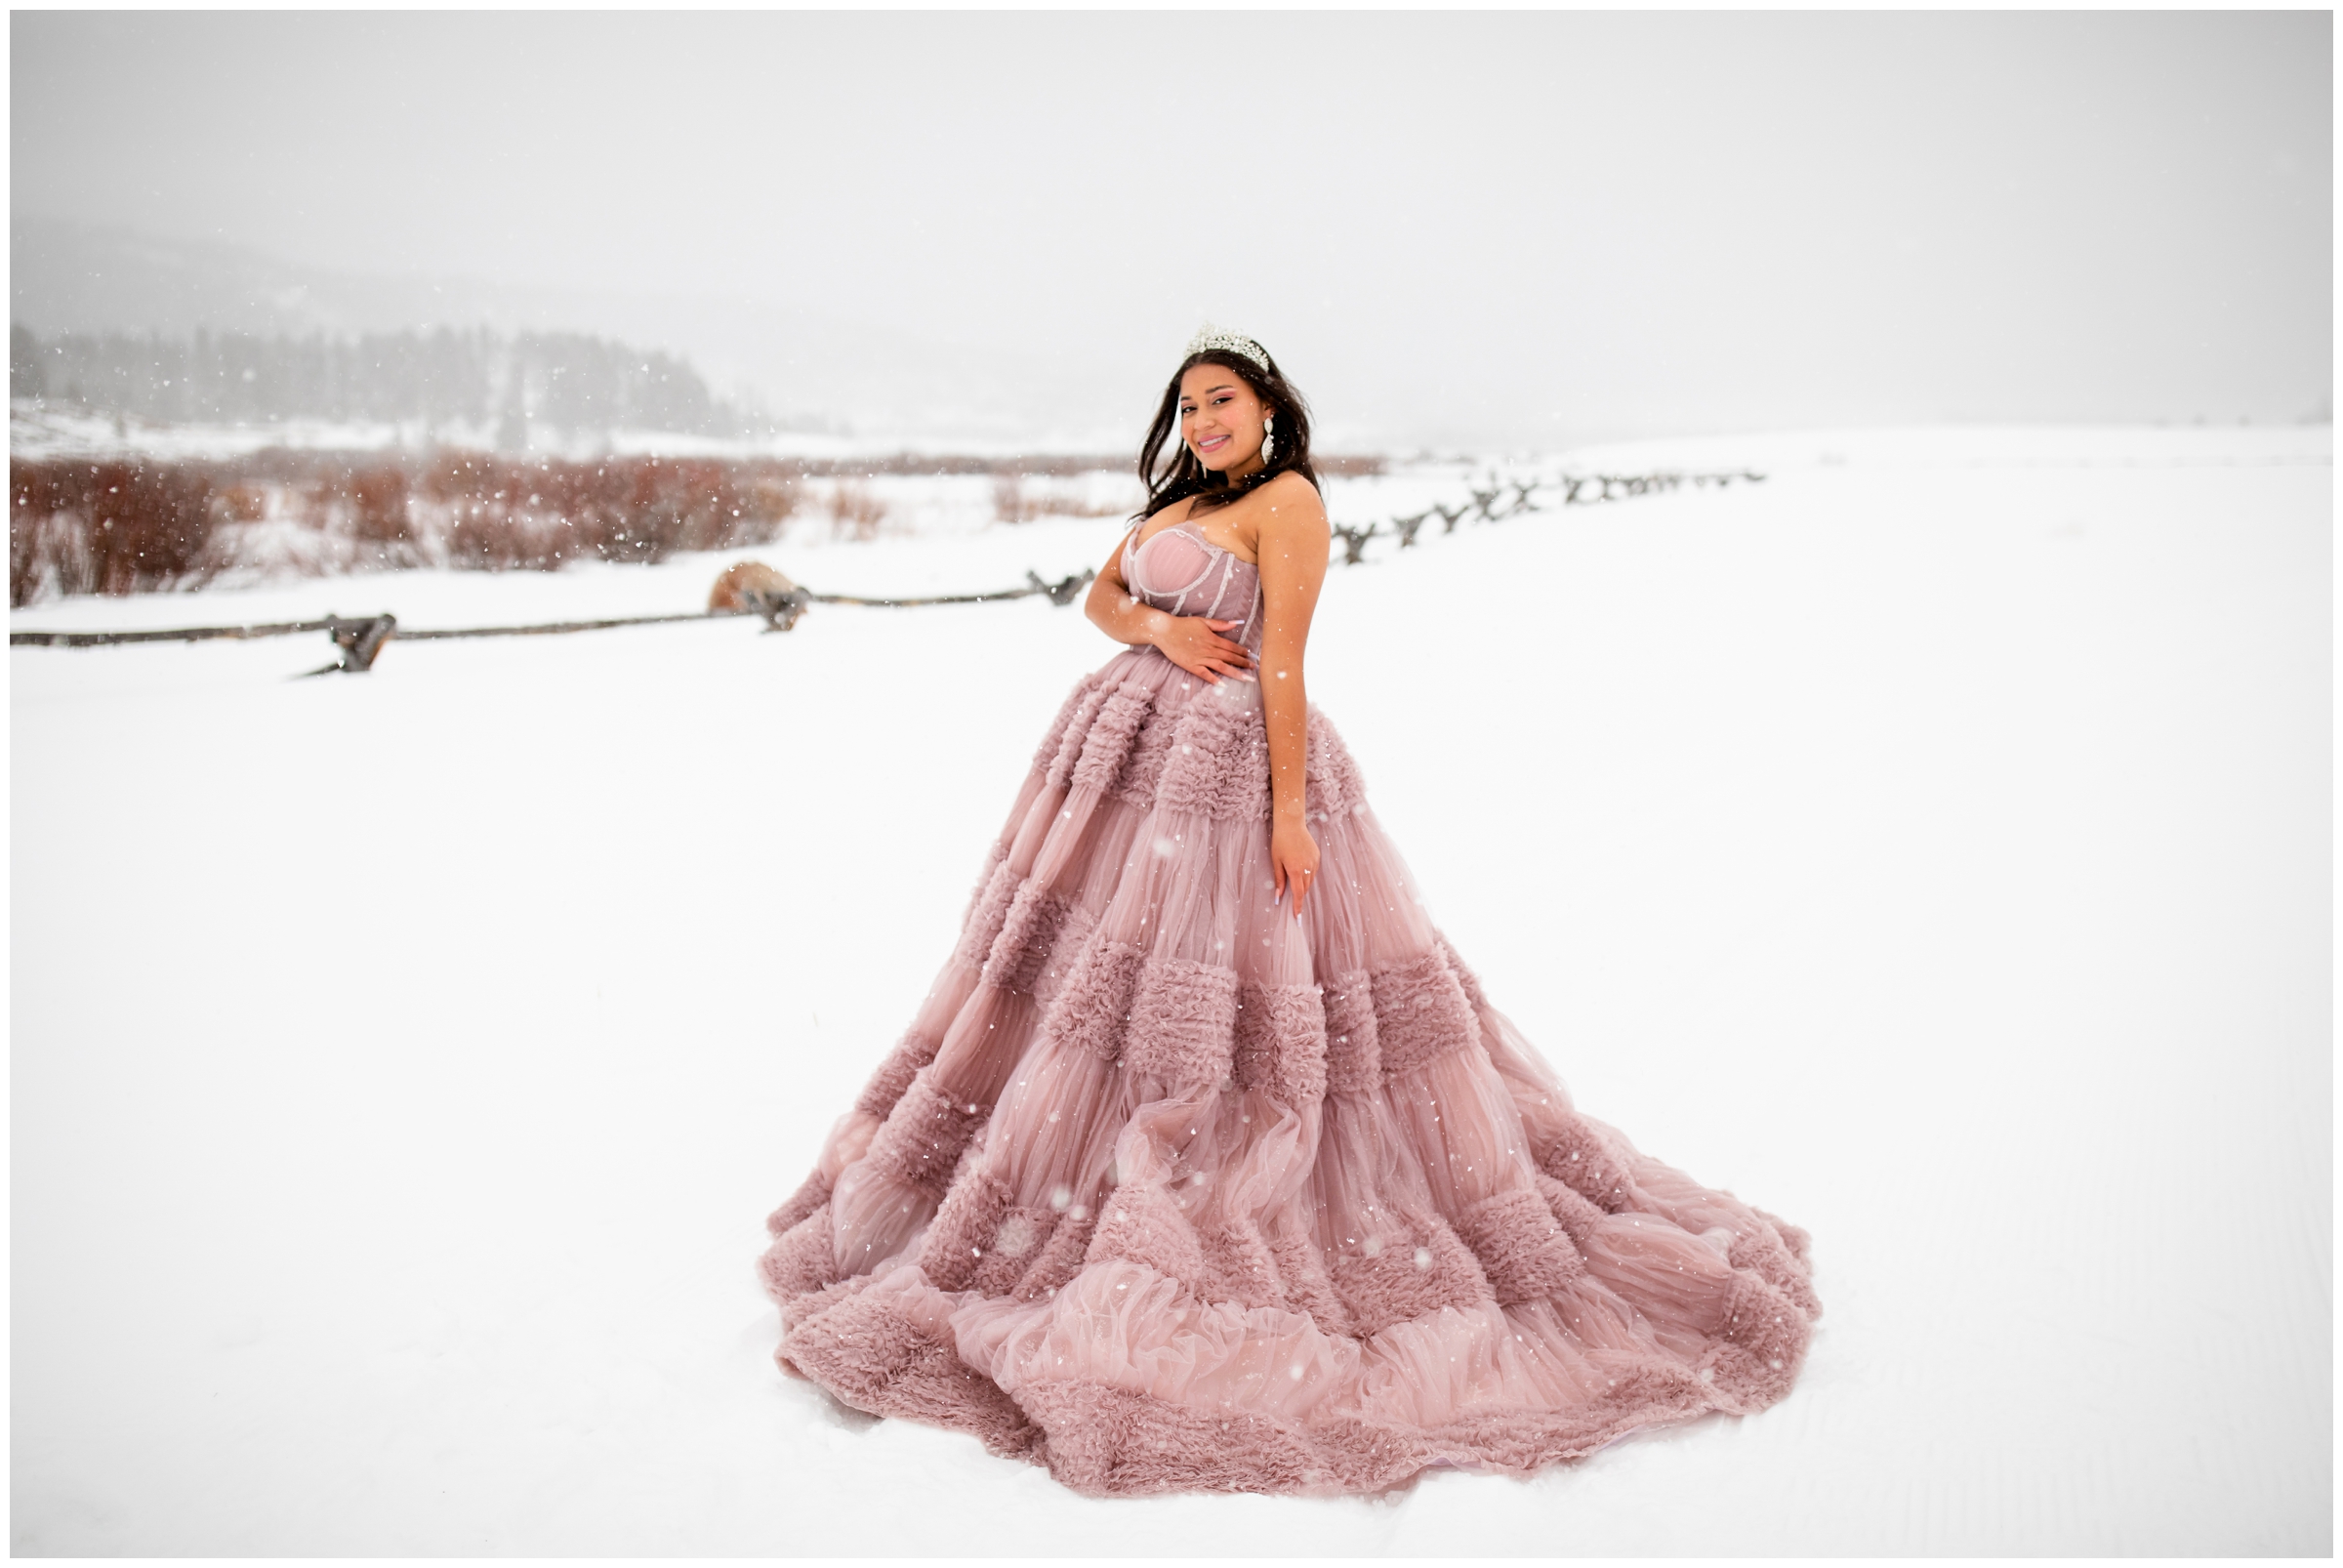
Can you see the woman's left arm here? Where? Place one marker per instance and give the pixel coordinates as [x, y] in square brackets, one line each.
[1292, 552]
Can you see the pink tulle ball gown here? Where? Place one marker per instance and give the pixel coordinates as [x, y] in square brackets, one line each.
[1164, 1189]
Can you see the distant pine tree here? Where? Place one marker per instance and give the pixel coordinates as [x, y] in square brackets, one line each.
[26, 377]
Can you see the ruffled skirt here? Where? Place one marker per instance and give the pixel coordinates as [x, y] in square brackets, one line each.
[1166, 1189]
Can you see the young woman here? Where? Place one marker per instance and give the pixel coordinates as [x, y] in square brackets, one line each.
[1207, 1164]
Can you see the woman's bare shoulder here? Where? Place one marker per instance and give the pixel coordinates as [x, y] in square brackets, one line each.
[1289, 498]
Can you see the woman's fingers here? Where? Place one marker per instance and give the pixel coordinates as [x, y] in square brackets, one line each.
[1209, 656]
[1296, 881]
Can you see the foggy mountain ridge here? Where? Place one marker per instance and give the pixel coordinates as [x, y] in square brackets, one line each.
[812, 370]
[100, 279]
[450, 380]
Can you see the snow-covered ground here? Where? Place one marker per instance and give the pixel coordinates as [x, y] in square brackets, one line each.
[1931, 843]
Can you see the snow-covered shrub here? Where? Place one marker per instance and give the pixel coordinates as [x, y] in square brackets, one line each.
[1024, 498]
[502, 512]
[854, 512]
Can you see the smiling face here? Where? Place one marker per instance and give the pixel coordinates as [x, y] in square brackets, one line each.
[1221, 420]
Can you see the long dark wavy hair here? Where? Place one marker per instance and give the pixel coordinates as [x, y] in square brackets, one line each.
[1177, 475]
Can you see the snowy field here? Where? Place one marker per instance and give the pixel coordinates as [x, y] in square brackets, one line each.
[1931, 845]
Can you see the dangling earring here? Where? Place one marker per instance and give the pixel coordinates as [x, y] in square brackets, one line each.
[1268, 429]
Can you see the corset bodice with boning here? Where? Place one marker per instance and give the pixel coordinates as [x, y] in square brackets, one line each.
[1178, 570]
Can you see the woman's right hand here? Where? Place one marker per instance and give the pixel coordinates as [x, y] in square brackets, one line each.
[1196, 645]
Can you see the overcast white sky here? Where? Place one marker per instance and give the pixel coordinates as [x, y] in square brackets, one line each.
[1498, 227]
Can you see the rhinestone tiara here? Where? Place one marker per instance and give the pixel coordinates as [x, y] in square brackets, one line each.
[1208, 336]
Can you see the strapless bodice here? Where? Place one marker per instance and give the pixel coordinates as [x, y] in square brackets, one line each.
[1179, 571]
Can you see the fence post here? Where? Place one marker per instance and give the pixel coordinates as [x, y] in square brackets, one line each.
[1061, 593]
[780, 610]
[356, 642]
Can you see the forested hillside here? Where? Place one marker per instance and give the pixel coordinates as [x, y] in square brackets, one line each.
[566, 381]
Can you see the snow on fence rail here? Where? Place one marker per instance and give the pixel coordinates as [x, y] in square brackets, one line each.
[358, 639]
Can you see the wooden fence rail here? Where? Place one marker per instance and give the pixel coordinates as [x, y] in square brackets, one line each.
[1496, 499]
[358, 639]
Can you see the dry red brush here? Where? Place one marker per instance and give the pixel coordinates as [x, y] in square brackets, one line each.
[131, 525]
[500, 513]
[126, 527]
